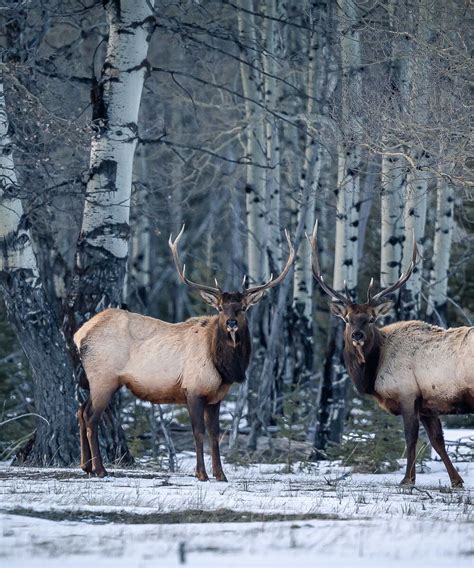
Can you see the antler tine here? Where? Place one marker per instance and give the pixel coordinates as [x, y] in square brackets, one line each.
[272, 282]
[244, 279]
[182, 271]
[403, 277]
[313, 241]
[369, 290]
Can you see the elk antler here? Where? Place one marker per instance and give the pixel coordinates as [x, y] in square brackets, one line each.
[272, 282]
[335, 296]
[181, 272]
[399, 283]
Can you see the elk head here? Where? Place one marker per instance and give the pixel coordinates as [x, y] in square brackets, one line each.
[359, 318]
[230, 305]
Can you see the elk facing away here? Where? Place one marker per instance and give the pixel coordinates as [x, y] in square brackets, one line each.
[193, 363]
[413, 369]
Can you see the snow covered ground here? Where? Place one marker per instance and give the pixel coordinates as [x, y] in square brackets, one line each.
[320, 515]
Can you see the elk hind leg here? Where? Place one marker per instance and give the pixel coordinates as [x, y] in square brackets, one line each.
[411, 425]
[211, 417]
[94, 413]
[196, 406]
[86, 457]
[432, 425]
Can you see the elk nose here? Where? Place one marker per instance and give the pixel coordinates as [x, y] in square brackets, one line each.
[231, 324]
[357, 335]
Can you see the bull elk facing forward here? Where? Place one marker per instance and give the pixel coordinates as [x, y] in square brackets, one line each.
[413, 369]
[192, 363]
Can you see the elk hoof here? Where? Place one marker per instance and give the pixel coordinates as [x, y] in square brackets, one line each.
[87, 468]
[220, 476]
[407, 482]
[457, 483]
[202, 476]
[101, 472]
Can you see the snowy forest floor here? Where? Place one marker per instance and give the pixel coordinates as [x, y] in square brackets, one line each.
[320, 515]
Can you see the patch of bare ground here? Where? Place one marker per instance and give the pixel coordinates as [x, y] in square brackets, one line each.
[169, 518]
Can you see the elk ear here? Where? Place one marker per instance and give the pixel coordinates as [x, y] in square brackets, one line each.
[254, 298]
[338, 310]
[382, 309]
[210, 299]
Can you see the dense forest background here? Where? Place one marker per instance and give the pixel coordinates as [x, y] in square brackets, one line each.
[122, 120]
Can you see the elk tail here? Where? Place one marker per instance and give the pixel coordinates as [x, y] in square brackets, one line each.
[79, 352]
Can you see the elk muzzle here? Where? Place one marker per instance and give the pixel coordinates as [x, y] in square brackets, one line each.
[232, 328]
[358, 338]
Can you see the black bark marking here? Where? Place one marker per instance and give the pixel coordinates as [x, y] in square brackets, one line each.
[108, 169]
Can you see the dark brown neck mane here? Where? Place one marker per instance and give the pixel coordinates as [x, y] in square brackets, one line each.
[363, 374]
[230, 361]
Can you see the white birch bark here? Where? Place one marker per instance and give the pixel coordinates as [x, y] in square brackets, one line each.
[392, 218]
[17, 249]
[302, 277]
[272, 65]
[347, 234]
[416, 94]
[105, 227]
[394, 169]
[438, 290]
[252, 86]
[415, 221]
[347, 218]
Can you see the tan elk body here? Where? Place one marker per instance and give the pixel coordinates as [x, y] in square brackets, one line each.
[193, 363]
[158, 361]
[412, 368]
[426, 363]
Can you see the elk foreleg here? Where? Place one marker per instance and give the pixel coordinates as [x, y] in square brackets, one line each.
[196, 406]
[411, 425]
[211, 417]
[432, 425]
[86, 458]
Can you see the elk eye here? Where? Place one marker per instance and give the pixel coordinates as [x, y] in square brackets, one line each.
[371, 319]
[220, 308]
[244, 308]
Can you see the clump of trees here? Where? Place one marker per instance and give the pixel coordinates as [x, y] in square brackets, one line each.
[121, 120]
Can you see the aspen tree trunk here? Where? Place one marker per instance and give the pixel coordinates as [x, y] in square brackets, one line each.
[368, 190]
[55, 441]
[303, 278]
[333, 401]
[415, 91]
[271, 61]
[394, 172]
[253, 87]
[437, 309]
[102, 249]
[392, 218]
[255, 189]
[415, 221]
[103, 242]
